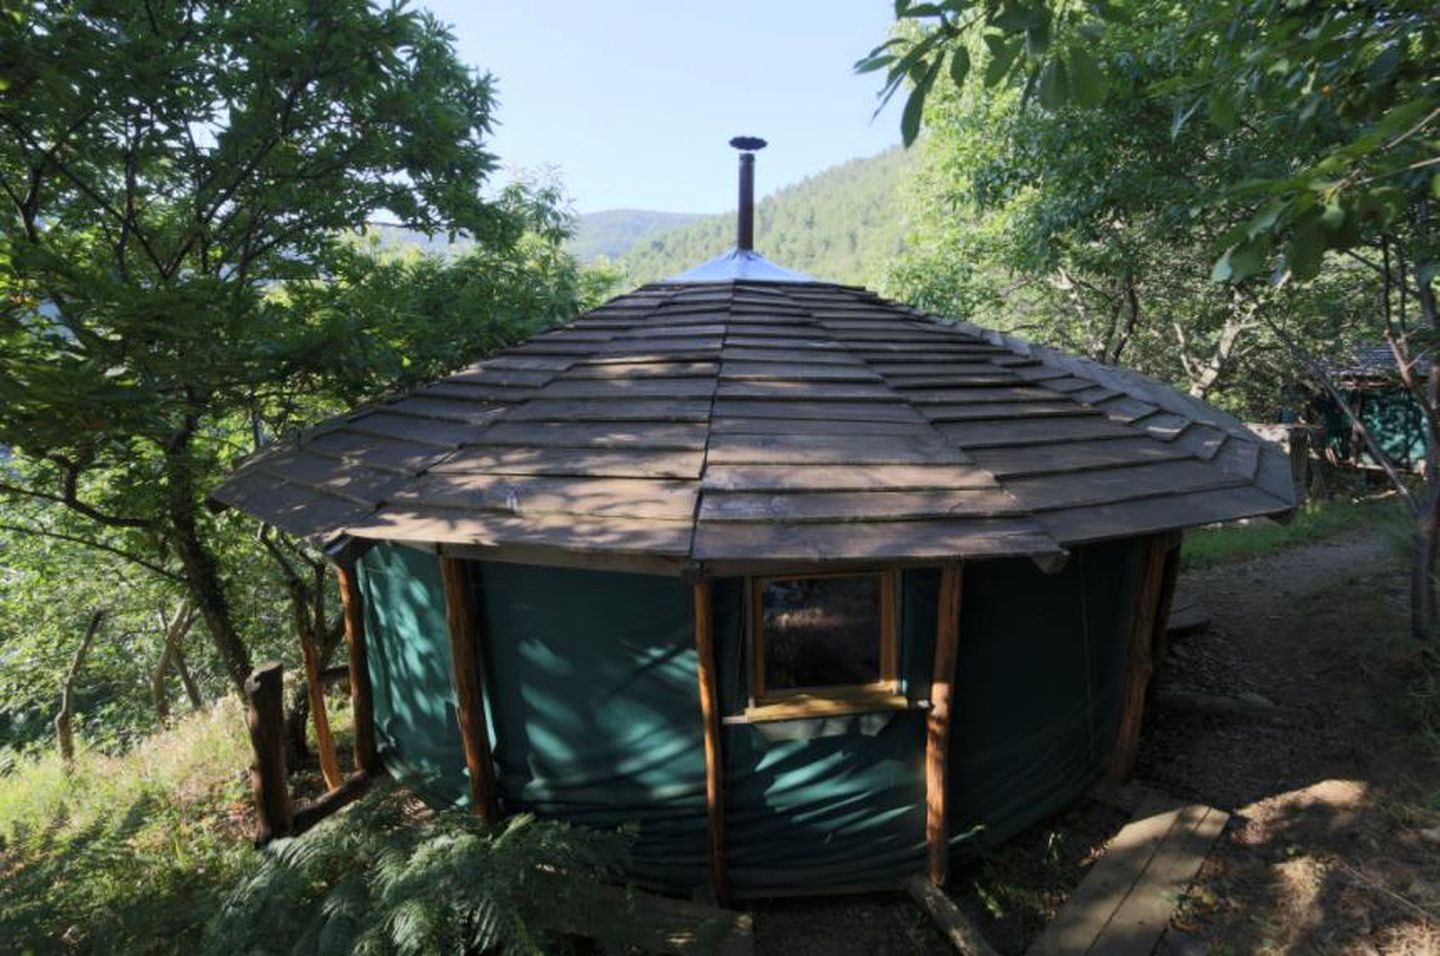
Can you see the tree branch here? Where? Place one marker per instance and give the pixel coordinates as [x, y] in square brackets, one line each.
[70, 500]
[97, 545]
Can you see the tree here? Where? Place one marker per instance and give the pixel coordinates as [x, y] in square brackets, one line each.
[1348, 93]
[165, 169]
[1093, 229]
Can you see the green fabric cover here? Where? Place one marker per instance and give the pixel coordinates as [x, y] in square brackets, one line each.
[1037, 690]
[596, 716]
[409, 644]
[592, 683]
[808, 813]
[1390, 415]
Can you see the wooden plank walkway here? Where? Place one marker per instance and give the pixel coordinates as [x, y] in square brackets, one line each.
[1124, 903]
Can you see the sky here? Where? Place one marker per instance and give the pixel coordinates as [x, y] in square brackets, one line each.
[634, 101]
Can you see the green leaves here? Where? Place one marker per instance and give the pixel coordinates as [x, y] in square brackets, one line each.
[1003, 52]
[1088, 85]
[1047, 43]
[915, 105]
[959, 66]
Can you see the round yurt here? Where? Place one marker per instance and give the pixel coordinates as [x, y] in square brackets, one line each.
[817, 590]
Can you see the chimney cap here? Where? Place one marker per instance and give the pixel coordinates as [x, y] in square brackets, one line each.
[748, 143]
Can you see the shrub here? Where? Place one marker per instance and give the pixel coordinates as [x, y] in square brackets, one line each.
[382, 879]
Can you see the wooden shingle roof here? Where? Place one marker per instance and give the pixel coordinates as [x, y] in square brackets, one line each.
[728, 426]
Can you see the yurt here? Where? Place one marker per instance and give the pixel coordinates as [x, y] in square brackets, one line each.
[816, 590]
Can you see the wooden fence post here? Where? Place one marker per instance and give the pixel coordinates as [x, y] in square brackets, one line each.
[362, 701]
[467, 673]
[266, 718]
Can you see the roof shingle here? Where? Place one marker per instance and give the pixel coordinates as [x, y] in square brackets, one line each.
[732, 425]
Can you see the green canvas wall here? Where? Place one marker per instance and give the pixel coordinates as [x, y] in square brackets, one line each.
[595, 713]
[1390, 415]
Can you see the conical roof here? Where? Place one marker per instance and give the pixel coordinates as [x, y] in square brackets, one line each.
[737, 425]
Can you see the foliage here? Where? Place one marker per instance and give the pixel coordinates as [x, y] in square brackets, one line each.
[611, 233]
[125, 854]
[1315, 521]
[180, 186]
[1094, 230]
[840, 225]
[1041, 46]
[138, 853]
[385, 881]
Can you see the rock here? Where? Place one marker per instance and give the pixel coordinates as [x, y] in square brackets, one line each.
[1259, 700]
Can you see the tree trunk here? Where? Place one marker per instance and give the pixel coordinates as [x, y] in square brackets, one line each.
[1422, 566]
[297, 716]
[175, 629]
[187, 680]
[64, 731]
[202, 574]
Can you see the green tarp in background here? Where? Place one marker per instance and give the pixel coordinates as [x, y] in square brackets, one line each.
[595, 714]
[1390, 415]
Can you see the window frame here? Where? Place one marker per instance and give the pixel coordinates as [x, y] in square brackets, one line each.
[827, 699]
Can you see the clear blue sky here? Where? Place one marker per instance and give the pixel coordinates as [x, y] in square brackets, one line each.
[634, 100]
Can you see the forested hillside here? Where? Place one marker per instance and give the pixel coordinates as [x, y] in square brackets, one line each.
[613, 232]
[842, 224]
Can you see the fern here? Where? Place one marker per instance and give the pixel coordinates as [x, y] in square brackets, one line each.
[381, 879]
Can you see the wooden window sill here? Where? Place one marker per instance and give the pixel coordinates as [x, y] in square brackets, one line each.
[803, 706]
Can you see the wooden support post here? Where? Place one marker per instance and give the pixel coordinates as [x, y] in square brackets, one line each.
[710, 713]
[1158, 565]
[266, 718]
[315, 690]
[1165, 603]
[937, 727]
[362, 700]
[467, 673]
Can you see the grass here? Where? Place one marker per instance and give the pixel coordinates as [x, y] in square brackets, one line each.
[126, 853]
[1314, 521]
[151, 852]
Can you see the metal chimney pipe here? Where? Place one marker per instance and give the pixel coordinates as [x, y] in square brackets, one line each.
[745, 218]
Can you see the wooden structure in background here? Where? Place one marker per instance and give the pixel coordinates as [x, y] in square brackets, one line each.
[467, 673]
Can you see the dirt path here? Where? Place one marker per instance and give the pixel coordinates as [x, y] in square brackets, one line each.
[1331, 847]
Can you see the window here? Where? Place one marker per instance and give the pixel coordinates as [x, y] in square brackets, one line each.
[822, 644]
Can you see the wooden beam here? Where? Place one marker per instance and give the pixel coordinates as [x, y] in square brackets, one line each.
[467, 673]
[710, 713]
[937, 726]
[265, 716]
[362, 698]
[315, 690]
[960, 931]
[1146, 640]
[351, 789]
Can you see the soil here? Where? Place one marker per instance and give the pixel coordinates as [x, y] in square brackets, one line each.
[1334, 843]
